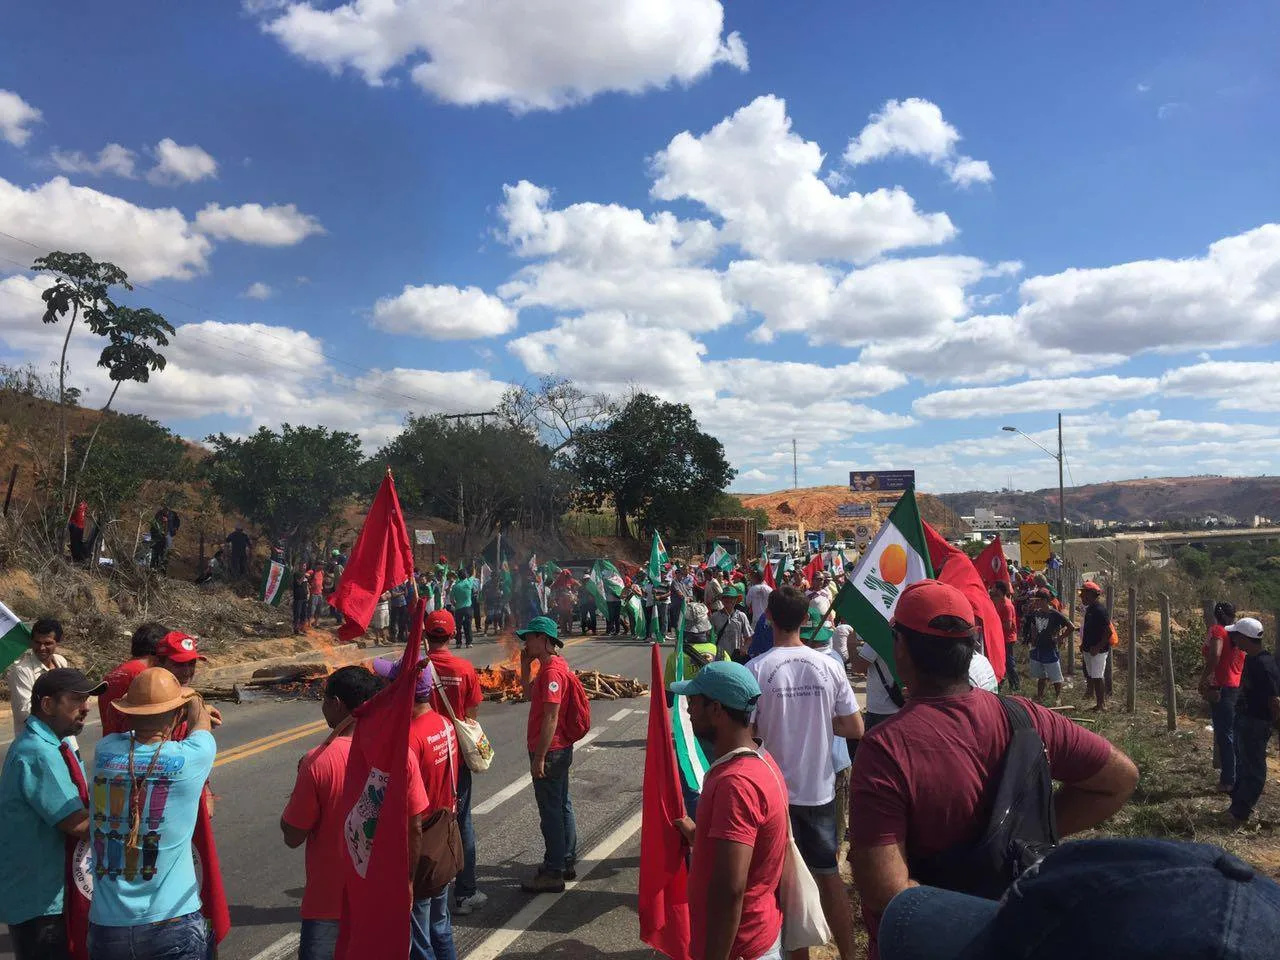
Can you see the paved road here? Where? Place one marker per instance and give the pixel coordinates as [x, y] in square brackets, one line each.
[259, 744]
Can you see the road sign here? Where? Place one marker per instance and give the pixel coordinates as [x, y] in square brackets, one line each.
[1034, 539]
[423, 537]
[862, 535]
[854, 511]
[863, 481]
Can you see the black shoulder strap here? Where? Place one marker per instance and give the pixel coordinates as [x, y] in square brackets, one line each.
[1016, 714]
[892, 689]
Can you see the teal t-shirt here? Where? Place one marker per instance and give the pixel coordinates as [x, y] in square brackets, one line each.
[462, 591]
[157, 880]
[36, 794]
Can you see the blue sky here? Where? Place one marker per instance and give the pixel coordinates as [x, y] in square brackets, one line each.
[882, 230]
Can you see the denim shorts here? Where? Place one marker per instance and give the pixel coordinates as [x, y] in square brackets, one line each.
[182, 938]
[814, 829]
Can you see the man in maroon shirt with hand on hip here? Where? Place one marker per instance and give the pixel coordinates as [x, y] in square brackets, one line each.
[925, 782]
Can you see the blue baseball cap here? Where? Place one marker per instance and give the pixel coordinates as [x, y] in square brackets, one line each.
[1143, 900]
[729, 684]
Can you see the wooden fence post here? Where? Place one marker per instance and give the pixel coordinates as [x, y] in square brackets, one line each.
[8, 494]
[1111, 606]
[1131, 701]
[1069, 588]
[1209, 621]
[1166, 641]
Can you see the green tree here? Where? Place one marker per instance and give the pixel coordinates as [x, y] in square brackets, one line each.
[288, 484]
[652, 462]
[80, 290]
[728, 505]
[555, 411]
[485, 476]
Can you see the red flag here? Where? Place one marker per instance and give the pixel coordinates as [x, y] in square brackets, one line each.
[213, 896]
[376, 898]
[813, 567]
[75, 901]
[664, 876]
[768, 574]
[991, 565]
[382, 558]
[954, 567]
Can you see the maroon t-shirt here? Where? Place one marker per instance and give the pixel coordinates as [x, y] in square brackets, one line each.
[928, 776]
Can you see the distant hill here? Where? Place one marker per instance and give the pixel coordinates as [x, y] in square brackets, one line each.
[1127, 501]
[815, 507]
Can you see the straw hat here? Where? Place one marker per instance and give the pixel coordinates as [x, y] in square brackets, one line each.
[153, 691]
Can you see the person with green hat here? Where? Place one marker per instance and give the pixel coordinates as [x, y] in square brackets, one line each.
[740, 838]
[731, 627]
[550, 753]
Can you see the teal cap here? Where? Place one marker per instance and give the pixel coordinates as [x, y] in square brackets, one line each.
[729, 684]
[542, 625]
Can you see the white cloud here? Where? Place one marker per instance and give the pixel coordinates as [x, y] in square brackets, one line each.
[112, 158]
[801, 382]
[1144, 87]
[1229, 297]
[281, 225]
[752, 171]
[16, 115]
[258, 291]
[916, 128]
[529, 55]
[438, 391]
[147, 243]
[1071, 393]
[178, 164]
[1243, 385]
[444, 313]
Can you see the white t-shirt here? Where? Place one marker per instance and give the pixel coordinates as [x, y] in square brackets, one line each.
[840, 641]
[757, 601]
[878, 699]
[982, 675]
[801, 691]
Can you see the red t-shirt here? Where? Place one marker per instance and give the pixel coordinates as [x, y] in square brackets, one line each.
[928, 777]
[742, 802]
[458, 681]
[316, 806]
[549, 686]
[118, 681]
[432, 740]
[317, 581]
[1008, 621]
[1230, 660]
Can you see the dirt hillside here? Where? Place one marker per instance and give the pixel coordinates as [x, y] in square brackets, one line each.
[815, 508]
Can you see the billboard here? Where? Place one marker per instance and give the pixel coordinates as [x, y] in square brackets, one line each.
[855, 511]
[1034, 541]
[870, 480]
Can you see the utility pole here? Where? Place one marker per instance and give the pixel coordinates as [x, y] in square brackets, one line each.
[795, 470]
[462, 516]
[1062, 502]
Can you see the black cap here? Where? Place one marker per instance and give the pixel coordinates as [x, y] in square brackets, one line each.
[65, 680]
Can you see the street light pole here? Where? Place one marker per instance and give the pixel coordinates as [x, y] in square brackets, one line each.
[1062, 507]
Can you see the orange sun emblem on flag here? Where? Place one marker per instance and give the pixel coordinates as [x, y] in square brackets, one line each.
[893, 564]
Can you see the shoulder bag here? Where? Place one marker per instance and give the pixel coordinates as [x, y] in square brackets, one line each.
[477, 751]
[440, 856]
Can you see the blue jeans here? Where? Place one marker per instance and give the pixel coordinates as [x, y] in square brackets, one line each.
[464, 885]
[319, 940]
[183, 938]
[1252, 738]
[555, 812]
[431, 930]
[1224, 714]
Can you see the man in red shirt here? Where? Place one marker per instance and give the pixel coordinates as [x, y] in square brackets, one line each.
[142, 648]
[1220, 686]
[999, 594]
[740, 839]
[314, 814]
[456, 679]
[925, 782]
[550, 754]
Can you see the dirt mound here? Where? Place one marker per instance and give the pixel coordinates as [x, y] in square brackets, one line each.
[816, 508]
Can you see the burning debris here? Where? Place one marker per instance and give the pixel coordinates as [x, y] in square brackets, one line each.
[501, 684]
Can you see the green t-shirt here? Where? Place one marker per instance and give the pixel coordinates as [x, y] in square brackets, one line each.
[462, 591]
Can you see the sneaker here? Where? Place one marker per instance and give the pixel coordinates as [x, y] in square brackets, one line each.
[464, 906]
[543, 882]
[570, 873]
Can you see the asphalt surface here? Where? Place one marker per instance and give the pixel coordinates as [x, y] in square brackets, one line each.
[259, 745]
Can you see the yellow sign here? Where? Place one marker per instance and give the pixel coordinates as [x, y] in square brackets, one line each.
[1035, 545]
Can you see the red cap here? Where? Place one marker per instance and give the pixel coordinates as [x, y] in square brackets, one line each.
[926, 600]
[1090, 585]
[439, 623]
[178, 647]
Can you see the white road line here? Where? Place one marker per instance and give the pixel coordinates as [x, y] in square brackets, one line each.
[620, 714]
[511, 789]
[285, 947]
[501, 938]
[88, 723]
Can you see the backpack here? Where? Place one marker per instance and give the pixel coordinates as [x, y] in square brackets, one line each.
[1115, 637]
[576, 710]
[1021, 830]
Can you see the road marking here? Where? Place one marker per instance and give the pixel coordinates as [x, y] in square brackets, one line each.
[87, 723]
[511, 789]
[285, 947]
[619, 715]
[263, 744]
[492, 946]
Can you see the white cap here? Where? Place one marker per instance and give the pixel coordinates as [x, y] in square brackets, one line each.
[1250, 627]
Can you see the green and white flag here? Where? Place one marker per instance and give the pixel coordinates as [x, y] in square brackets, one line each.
[690, 757]
[15, 637]
[634, 610]
[274, 578]
[719, 557]
[595, 587]
[657, 558]
[610, 579]
[895, 559]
